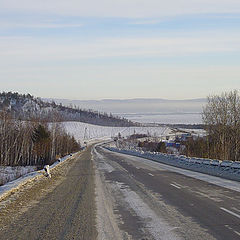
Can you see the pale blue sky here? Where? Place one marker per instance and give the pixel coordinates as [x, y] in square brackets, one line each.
[120, 49]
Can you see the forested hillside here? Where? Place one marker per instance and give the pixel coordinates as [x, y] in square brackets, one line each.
[34, 142]
[26, 107]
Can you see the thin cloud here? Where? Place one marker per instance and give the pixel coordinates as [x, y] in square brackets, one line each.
[40, 25]
[34, 49]
[122, 8]
[146, 22]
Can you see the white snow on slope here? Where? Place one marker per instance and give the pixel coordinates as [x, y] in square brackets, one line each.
[16, 183]
[8, 173]
[92, 132]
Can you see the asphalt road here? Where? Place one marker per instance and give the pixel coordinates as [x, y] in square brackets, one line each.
[60, 208]
[110, 196]
[152, 202]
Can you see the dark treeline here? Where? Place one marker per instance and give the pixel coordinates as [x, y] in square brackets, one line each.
[197, 148]
[152, 146]
[25, 107]
[221, 117]
[186, 126]
[34, 142]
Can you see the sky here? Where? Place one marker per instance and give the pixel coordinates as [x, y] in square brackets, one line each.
[108, 49]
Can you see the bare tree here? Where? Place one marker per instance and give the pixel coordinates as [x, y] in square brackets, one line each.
[221, 116]
[34, 142]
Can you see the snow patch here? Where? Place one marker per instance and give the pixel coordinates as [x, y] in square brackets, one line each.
[158, 228]
[15, 184]
[8, 173]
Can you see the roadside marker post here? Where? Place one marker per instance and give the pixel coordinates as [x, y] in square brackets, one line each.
[47, 170]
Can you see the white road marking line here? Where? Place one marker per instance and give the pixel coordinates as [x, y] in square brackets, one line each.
[230, 212]
[235, 209]
[227, 226]
[151, 174]
[175, 186]
[137, 168]
[230, 228]
[237, 233]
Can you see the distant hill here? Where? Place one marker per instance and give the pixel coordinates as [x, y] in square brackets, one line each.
[139, 105]
[25, 106]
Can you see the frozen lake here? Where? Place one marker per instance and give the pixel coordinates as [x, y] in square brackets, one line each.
[167, 118]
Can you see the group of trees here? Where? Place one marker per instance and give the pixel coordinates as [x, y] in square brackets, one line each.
[152, 146]
[195, 147]
[221, 117]
[33, 142]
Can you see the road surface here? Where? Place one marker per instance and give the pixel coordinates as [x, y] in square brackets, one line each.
[153, 201]
[110, 196]
[62, 207]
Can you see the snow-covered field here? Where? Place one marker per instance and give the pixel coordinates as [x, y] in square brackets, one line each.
[8, 174]
[92, 132]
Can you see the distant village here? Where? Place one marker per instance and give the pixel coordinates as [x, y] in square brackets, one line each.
[171, 142]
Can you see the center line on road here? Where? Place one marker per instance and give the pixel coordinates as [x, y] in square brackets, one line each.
[230, 212]
[237, 233]
[151, 174]
[236, 209]
[175, 186]
[230, 228]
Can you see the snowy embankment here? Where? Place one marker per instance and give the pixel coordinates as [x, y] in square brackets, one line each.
[86, 132]
[15, 184]
[8, 173]
[225, 169]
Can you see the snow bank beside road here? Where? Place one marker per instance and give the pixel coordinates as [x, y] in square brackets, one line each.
[225, 169]
[8, 173]
[15, 184]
